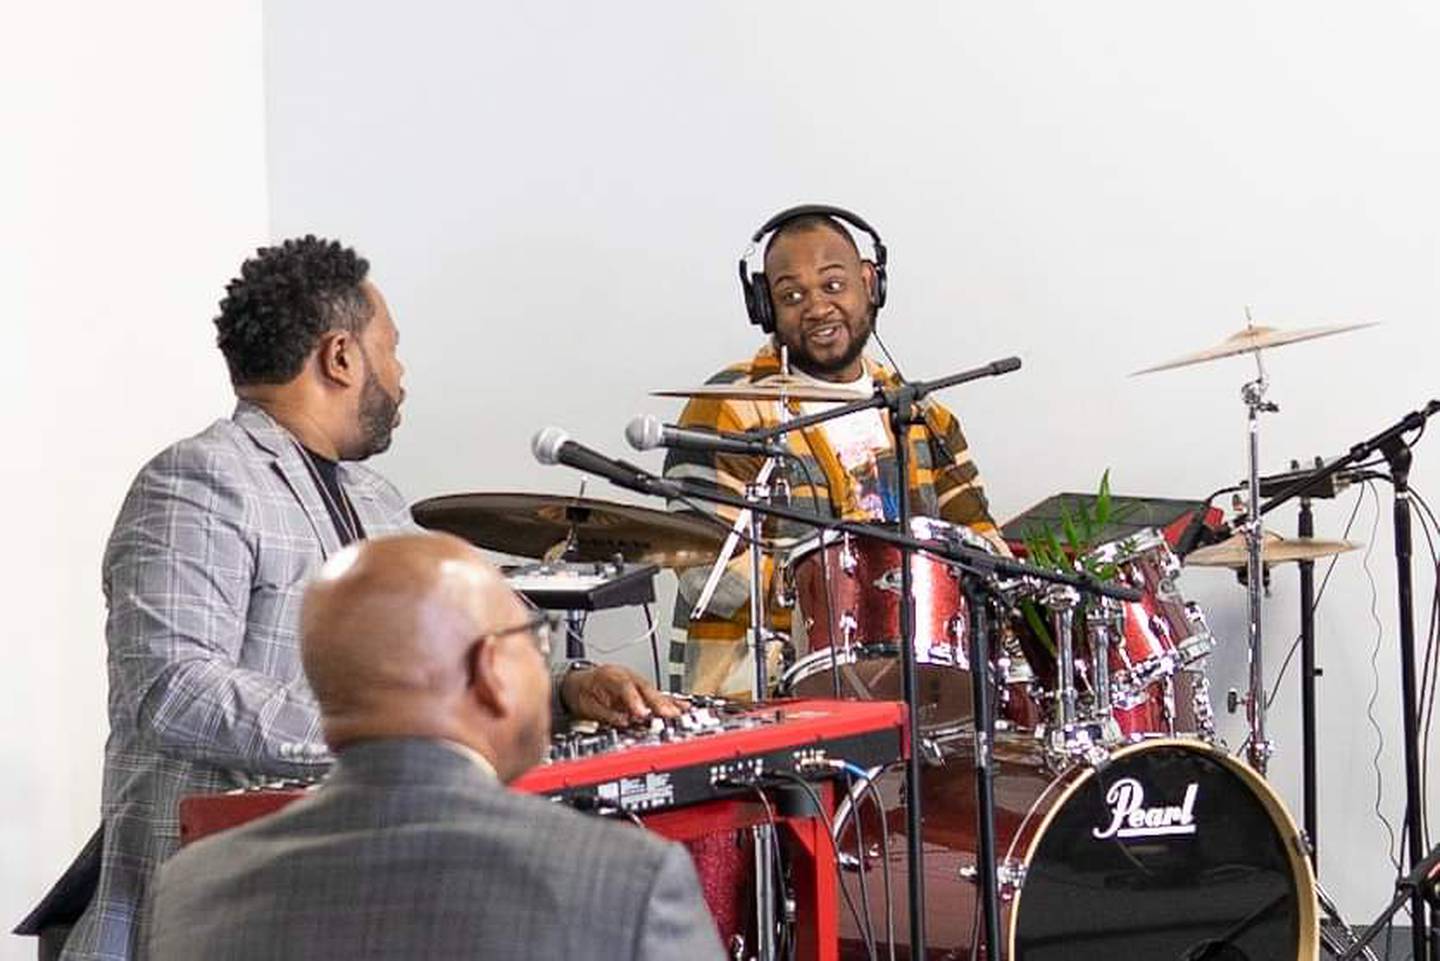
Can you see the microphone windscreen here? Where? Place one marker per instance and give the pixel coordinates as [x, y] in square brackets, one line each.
[546, 444]
[644, 432]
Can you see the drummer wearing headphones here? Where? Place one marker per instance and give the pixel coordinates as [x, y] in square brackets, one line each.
[817, 298]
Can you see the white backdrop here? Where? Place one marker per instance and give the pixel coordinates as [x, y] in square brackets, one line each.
[554, 196]
[132, 183]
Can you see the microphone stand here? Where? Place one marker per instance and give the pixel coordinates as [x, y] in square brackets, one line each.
[1409, 888]
[983, 567]
[1392, 445]
[900, 403]
[889, 398]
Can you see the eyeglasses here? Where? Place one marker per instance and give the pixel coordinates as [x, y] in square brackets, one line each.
[541, 628]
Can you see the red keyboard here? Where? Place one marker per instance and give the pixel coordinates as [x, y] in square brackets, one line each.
[710, 753]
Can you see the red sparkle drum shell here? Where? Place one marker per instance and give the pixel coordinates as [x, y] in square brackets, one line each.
[1162, 631]
[1170, 846]
[1166, 707]
[863, 578]
[946, 703]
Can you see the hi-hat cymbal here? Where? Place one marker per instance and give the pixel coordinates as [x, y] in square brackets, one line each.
[1250, 340]
[532, 525]
[1274, 549]
[776, 387]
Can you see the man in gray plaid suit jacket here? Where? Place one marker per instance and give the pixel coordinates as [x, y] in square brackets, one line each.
[431, 679]
[208, 559]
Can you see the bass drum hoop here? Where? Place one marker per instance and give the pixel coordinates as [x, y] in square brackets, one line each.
[1032, 831]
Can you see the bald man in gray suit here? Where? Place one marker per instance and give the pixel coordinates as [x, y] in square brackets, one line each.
[433, 690]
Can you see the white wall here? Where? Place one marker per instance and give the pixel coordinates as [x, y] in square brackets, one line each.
[554, 195]
[133, 185]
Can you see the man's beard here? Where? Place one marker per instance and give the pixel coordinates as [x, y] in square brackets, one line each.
[377, 416]
[802, 358]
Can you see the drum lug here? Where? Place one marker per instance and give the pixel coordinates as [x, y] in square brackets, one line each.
[849, 629]
[785, 593]
[848, 560]
[889, 581]
[1088, 743]
[1009, 877]
[957, 628]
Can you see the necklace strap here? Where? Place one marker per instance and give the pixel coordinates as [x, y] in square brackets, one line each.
[343, 512]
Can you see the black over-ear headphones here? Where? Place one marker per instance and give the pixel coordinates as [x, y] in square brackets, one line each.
[757, 288]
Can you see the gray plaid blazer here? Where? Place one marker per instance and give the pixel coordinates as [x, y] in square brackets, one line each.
[203, 576]
[410, 850]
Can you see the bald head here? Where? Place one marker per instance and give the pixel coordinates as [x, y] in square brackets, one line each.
[398, 640]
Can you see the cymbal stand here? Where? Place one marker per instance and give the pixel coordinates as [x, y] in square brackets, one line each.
[1311, 818]
[759, 636]
[1260, 748]
[758, 491]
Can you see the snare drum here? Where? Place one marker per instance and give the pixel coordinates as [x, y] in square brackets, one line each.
[1170, 847]
[1162, 631]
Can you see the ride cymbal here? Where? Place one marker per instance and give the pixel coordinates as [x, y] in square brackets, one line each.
[1250, 340]
[536, 525]
[776, 387]
[1274, 549]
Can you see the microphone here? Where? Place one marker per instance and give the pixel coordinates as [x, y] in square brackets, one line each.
[551, 445]
[646, 432]
[1323, 489]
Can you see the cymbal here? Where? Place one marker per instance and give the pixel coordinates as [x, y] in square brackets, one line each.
[1274, 549]
[1250, 340]
[775, 387]
[531, 525]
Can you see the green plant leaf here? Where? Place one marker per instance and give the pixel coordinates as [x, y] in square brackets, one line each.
[1087, 526]
[1037, 624]
[1034, 550]
[1072, 534]
[1102, 500]
[1056, 551]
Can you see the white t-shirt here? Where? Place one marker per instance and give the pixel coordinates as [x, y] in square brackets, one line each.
[858, 439]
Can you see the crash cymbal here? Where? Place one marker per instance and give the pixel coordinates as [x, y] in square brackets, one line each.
[531, 525]
[1274, 549]
[1250, 340]
[776, 387]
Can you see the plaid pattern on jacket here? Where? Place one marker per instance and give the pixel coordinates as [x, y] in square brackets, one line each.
[203, 577]
[710, 654]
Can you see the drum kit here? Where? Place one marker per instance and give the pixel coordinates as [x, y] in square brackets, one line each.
[1123, 825]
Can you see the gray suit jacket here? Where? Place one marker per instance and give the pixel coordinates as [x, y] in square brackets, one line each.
[204, 574]
[410, 850]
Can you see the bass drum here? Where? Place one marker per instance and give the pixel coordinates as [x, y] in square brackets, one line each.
[1172, 850]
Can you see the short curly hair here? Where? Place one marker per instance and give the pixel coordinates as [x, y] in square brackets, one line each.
[285, 298]
[808, 222]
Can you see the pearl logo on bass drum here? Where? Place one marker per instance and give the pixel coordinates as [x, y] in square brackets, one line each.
[1130, 818]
